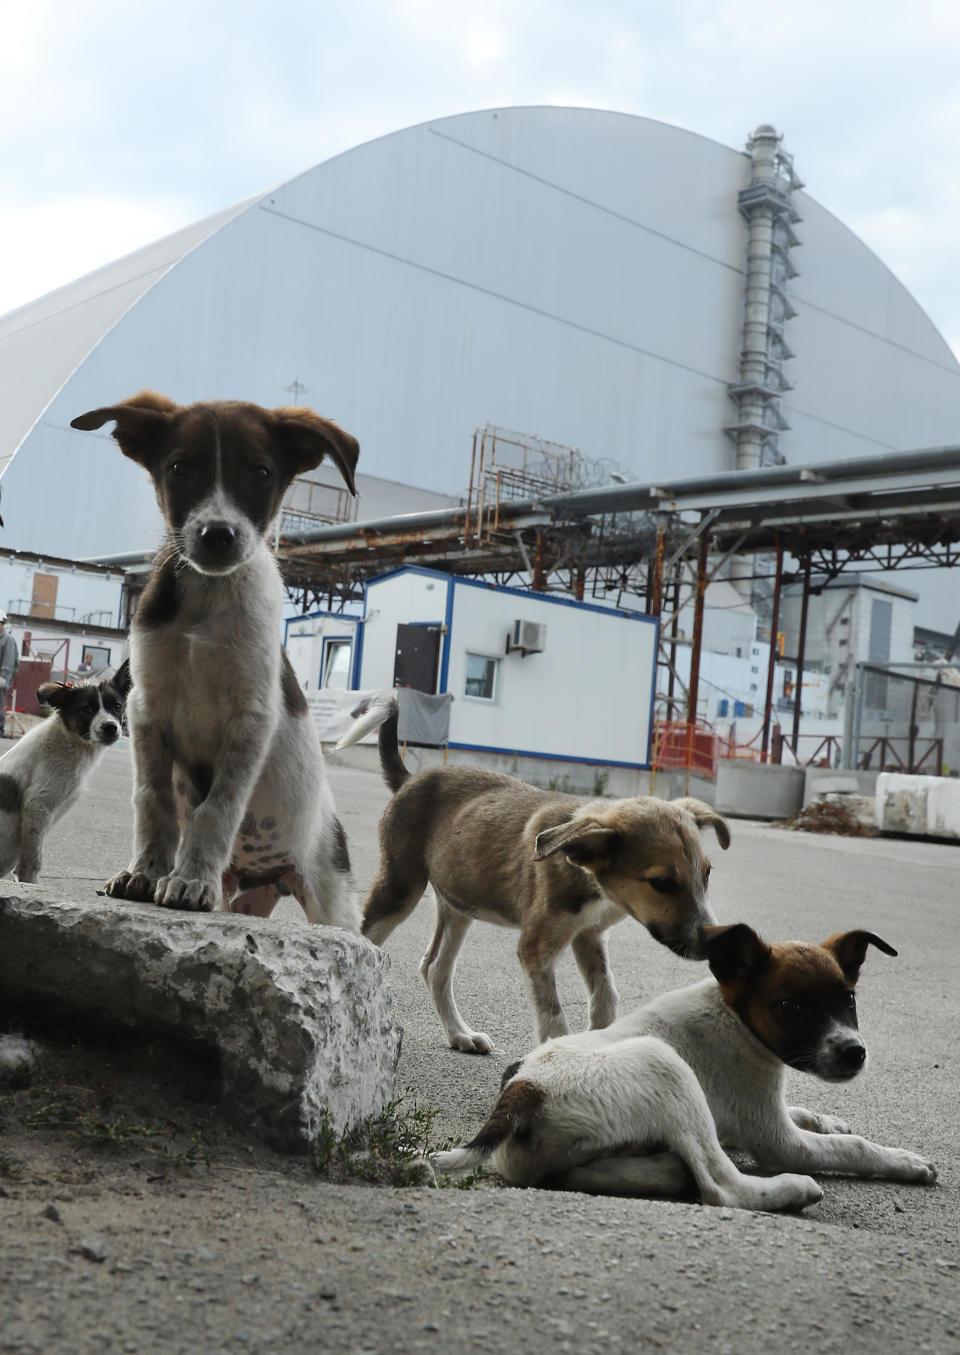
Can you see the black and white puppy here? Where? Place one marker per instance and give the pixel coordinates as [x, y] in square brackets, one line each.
[42, 775]
[232, 806]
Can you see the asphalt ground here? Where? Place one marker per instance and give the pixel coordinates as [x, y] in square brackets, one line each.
[873, 1267]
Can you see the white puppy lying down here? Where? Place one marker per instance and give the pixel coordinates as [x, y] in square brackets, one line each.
[642, 1106]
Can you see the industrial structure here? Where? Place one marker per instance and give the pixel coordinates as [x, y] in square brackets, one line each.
[583, 352]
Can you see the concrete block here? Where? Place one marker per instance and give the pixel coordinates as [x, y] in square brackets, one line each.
[821, 781]
[901, 803]
[299, 1019]
[758, 790]
[943, 807]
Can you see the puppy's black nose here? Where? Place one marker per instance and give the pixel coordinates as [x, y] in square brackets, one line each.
[852, 1056]
[217, 538]
[109, 734]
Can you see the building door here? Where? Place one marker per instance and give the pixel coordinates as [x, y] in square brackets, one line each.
[44, 600]
[418, 655]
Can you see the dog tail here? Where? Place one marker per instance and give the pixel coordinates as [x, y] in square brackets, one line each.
[383, 714]
[516, 1114]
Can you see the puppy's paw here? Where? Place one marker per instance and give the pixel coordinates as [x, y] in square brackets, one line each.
[471, 1042]
[193, 896]
[914, 1168]
[832, 1124]
[133, 885]
[790, 1192]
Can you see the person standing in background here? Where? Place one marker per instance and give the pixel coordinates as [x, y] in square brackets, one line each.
[9, 660]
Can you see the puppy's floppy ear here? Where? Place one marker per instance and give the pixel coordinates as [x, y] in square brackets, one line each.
[141, 422]
[121, 680]
[733, 953]
[705, 816]
[585, 842]
[55, 694]
[306, 439]
[850, 950]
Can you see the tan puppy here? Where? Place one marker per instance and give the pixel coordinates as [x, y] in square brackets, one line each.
[561, 869]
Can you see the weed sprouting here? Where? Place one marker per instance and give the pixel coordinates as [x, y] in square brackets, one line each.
[392, 1147]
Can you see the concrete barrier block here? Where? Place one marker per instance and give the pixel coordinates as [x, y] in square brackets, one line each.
[758, 790]
[901, 803]
[299, 1019]
[821, 781]
[943, 808]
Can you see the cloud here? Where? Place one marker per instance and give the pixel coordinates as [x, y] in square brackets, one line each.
[159, 113]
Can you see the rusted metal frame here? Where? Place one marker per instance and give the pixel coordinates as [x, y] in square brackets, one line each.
[672, 666]
[717, 566]
[771, 667]
[692, 536]
[656, 593]
[694, 689]
[801, 655]
[664, 662]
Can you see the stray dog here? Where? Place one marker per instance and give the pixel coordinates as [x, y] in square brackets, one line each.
[562, 869]
[643, 1106]
[232, 806]
[42, 775]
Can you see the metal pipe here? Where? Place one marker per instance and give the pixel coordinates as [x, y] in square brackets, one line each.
[858, 694]
[694, 691]
[801, 654]
[674, 626]
[774, 622]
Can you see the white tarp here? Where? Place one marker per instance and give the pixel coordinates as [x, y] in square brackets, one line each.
[335, 711]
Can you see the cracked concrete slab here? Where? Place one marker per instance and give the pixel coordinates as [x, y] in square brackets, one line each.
[300, 1021]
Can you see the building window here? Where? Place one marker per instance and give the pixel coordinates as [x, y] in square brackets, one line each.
[336, 665]
[481, 680]
[94, 658]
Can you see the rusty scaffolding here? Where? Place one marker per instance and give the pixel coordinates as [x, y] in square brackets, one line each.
[654, 546]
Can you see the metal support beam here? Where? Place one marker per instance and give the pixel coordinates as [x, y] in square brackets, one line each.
[656, 596]
[694, 692]
[801, 654]
[774, 622]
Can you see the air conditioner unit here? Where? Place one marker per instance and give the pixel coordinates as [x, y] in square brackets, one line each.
[527, 637]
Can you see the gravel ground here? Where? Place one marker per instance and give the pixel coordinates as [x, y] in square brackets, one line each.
[133, 1218]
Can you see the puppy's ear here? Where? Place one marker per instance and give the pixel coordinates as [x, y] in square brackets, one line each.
[141, 422]
[121, 680]
[55, 694]
[734, 953]
[850, 950]
[584, 842]
[306, 439]
[705, 816]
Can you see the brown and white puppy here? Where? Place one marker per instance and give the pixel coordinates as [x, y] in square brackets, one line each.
[561, 869]
[232, 806]
[643, 1107]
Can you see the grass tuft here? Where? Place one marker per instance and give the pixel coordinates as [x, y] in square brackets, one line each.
[390, 1148]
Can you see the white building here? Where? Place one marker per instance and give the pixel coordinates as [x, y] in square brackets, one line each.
[566, 272]
[69, 618]
[857, 618]
[532, 675]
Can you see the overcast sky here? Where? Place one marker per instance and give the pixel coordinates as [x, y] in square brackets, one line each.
[120, 122]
